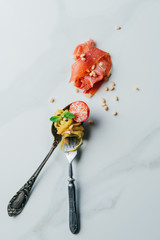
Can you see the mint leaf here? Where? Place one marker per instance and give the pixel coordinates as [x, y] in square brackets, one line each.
[68, 115]
[55, 118]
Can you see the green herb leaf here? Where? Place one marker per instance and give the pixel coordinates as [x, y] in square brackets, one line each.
[68, 115]
[55, 118]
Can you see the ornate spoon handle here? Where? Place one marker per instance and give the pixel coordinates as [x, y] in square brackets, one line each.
[19, 200]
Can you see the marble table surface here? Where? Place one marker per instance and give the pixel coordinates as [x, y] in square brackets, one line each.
[118, 170]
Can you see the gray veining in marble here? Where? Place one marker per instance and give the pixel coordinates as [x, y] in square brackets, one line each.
[118, 170]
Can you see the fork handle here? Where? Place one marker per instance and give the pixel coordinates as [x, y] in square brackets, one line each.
[73, 217]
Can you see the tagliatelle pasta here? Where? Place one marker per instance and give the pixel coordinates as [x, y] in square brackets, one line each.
[68, 128]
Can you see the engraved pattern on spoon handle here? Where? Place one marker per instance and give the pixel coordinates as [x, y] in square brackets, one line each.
[19, 200]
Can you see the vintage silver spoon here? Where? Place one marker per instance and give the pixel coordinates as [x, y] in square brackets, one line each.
[19, 200]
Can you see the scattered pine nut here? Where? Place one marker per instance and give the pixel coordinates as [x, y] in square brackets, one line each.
[77, 90]
[109, 74]
[115, 113]
[137, 89]
[100, 64]
[83, 59]
[87, 70]
[117, 27]
[113, 83]
[103, 100]
[116, 98]
[82, 55]
[106, 88]
[94, 74]
[90, 122]
[93, 67]
[106, 108]
[51, 100]
[103, 105]
[111, 88]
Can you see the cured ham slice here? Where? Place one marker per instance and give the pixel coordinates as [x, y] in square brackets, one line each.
[91, 66]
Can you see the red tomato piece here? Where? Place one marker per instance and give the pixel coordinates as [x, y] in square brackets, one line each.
[80, 110]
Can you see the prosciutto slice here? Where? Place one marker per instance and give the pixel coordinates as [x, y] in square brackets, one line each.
[91, 66]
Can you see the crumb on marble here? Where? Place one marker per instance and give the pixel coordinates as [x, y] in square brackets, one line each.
[137, 89]
[113, 83]
[77, 90]
[51, 100]
[111, 88]
[117, 27]
[106, 88]
[103, 104]
[116, 98]
[115, 113]
[103, 100]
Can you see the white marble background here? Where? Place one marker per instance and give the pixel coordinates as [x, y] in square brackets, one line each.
[117, 174]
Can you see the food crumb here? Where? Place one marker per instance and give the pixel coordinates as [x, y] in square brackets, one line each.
[94, 74]
[137, 89]
[90, 122]
[106, 88]
[106, 108]
[115, 113]
[103, 104]
[116, 98]
[83, 59]
[51, 100]
[111, 88]
[103, 100]
[77, 90]
[93, 67]
[113, 83]
[109, 74]
[117, 27]
[82, 55]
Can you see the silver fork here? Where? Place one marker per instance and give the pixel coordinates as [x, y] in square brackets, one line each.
[73, 216]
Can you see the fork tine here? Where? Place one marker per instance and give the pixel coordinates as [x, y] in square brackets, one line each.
[72, 143]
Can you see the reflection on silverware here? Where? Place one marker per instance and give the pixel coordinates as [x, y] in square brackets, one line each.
[19, 200]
